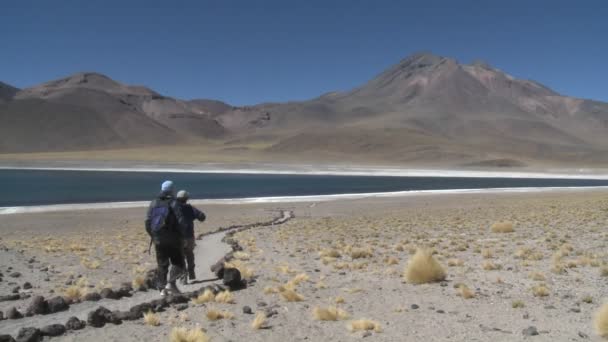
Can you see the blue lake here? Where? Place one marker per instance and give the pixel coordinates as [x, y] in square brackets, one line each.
[39, 187]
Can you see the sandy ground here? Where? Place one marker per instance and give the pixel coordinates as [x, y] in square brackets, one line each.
[353, 253]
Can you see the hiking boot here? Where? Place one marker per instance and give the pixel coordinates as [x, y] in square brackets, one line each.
[191, 275]
[172, 289]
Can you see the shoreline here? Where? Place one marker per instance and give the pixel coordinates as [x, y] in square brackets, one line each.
[288, 199]
[330, 170]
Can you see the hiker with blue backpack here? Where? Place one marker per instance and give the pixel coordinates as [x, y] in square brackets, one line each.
[190, 213]
[167, 227]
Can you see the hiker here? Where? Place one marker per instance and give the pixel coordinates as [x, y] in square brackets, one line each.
[166, 226]
[190, 214]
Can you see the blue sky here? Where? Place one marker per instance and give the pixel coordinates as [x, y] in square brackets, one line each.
[247, 52]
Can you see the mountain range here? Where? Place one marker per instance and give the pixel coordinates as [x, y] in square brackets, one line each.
[425, 109]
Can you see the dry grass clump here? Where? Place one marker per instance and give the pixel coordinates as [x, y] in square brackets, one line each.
[601, 321]
[150, 318]
[258, 321]
[291, 295]
[205, 297]
[455, 262]
[587, 299]
[502, 227]
[188, 335]
[517, 304]
[486, 253]
[331, 313]
[214, 315]
[240, 255]
[391, 261]
[138, 282]
[364, 324]
[540, 291]
[225, 297]
[490, 266]
[329, 252]
[297, 280]
[285, 269]
[74, 293]
[358, 253]
[339, 300]
[423, 268]
[538, 276]
[465, 292]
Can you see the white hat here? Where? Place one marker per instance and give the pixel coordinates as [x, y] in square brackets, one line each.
[183, 194]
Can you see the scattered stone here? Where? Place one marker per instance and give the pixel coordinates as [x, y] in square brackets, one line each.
[38, 306]
[125, 315]
[177, 299]
[75, 324]
[271, 312]
[27, 285]
[53, 330]
[575, 310]
[99, 317]
[582, 335]
[549, 307]
[159, 308]
[261, 304]
[526, 316]
[57, 304]
[530, 331]
[139, 310]
[15, 275]
[440, 311]
[6, 338]
[9, 297]
[414, 306]
[108, 293]
[44, 269]
[247, 310]
[16, 289]
[13, 313]
[92, 297]
[367, 333]
[124, 291]
[1, 316]
[29, 335]
[181, 307]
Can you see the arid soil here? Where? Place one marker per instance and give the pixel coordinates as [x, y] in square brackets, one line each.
[342, 260]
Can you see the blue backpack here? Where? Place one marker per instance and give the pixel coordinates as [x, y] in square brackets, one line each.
[159, 217]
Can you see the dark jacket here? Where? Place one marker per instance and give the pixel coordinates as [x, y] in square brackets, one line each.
[190, 214]
[176, 222]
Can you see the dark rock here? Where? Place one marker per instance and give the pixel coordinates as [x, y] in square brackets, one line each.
[161, 302]
[16, 289]
[100, 316]
[15, 275]
[530, 331]
[1, 316]
[124, 292]
[262, 304]
[74, 323]
[177, 299]
[181, 307]
[271, 312]
[440, 311]
[13, 313]
[218, 268]
[549, 307]
[575, 310]
[139, 310]
[38, 306]
[57, 304]
[366, 334]
[159, 308]
[44, 269]
[27, 286]
[125, 315]
[53, 330]
[109, 294]
[29, 335]
[92, 297]
[247, 310]
[582, 335]
[414, 306]
[6, 338]
[9, 297]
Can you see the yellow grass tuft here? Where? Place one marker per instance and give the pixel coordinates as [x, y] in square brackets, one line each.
[364, 324]
[150, 318]
[455, 262]
[225, 297]
[486, 253]
[291, 296]
[330, 253]
[423, 268]
[74, 293]
[517, 304]
[241, 255]
[185, 335]
[205, 297]
[358, 253]
[391, 261]
[258, 321]
[246, 272]
[214, 315]
[331, 313]
[339, 300]
[465, 292]
[490, 266]
[540, 291]
[601, 321]
[138, 282]
[502, 227]
[538, 276]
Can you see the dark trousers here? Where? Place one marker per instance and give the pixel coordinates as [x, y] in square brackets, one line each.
[189, 254]
[169, 255]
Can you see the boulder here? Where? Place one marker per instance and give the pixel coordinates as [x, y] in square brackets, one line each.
[140, 309]
[53, 330]
[124, 291]
[100, 316]
[125, 315]
[38, 306]
[177, 299]
[57, 304]
[92, 297]
[232, 278]
[29, 335]
[109, 294]
[74, 323]
[6, 338]
[218, 268]
[13, 313]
